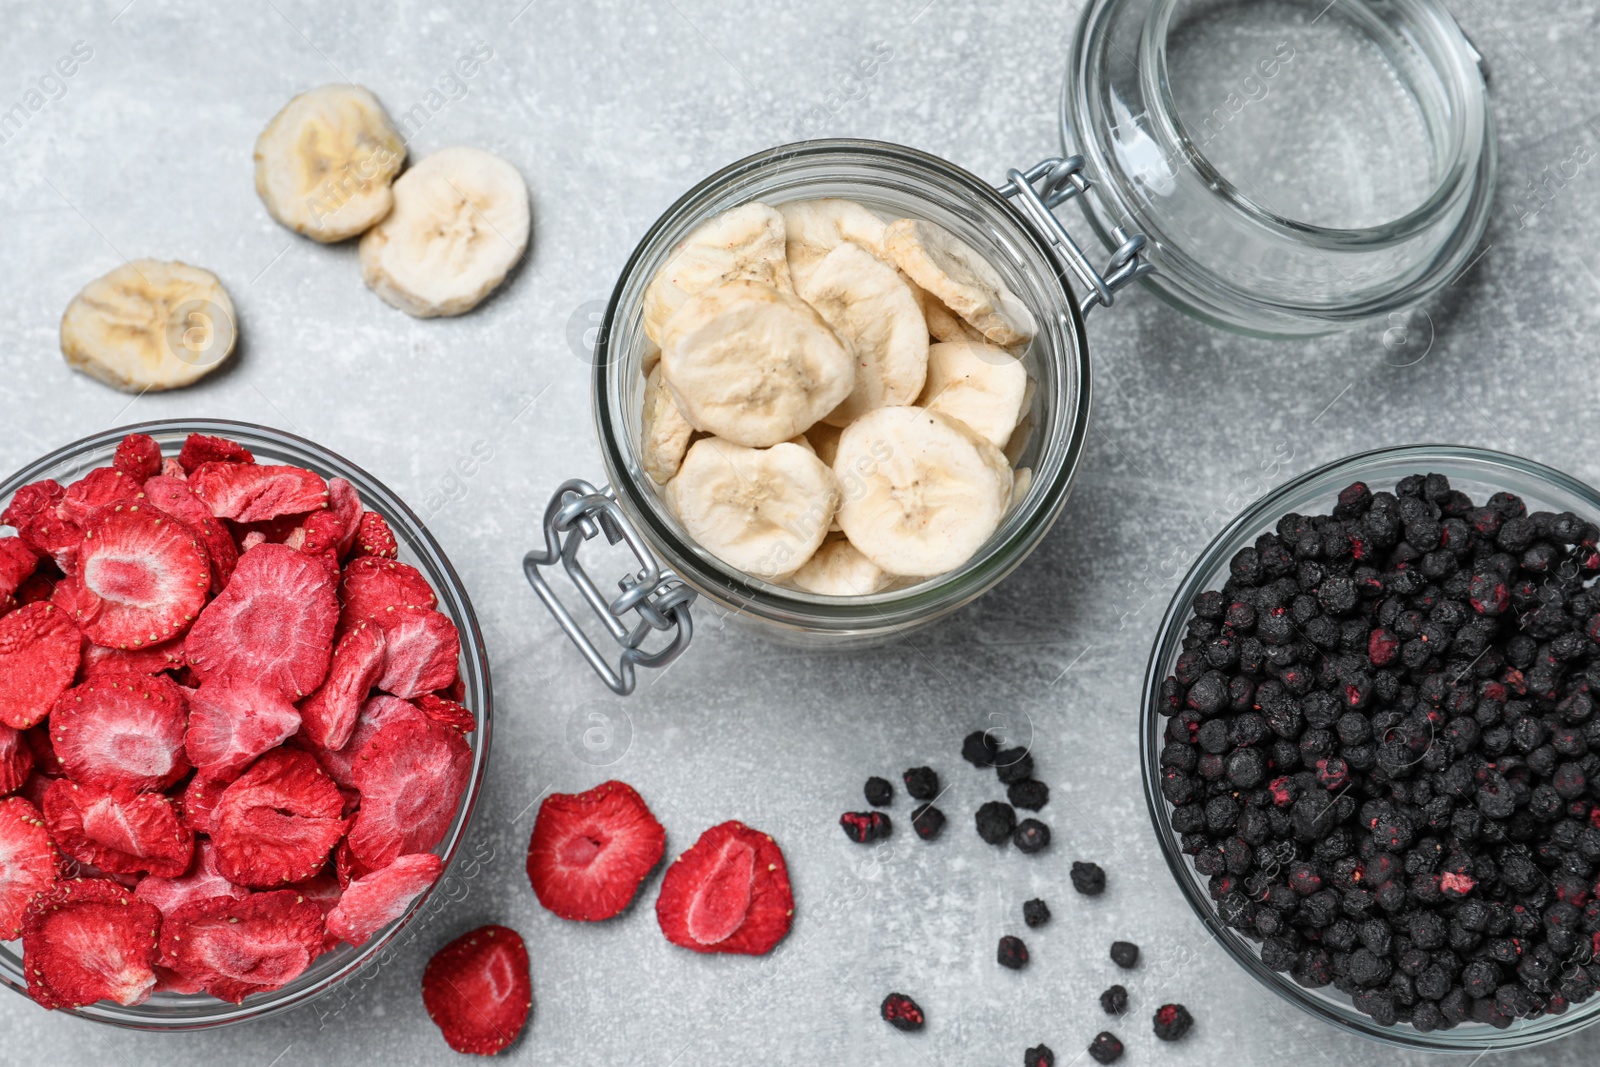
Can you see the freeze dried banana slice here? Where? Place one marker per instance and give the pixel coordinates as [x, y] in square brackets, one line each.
[149, 325]
[761, 511]
[745, 243]
[1018, 442]
[979, 384]
[955, 273]
[944, 324]
[665, 433]
[324, 163]
[839, 569]
[1021, 482]
[752, 364]
[867, 304]
[922, 492]
[459, 224]
[814, 228]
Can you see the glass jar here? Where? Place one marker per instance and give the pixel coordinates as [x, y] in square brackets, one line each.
[173, 1011]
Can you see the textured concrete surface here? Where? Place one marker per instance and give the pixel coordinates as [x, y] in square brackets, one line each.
[611, 109]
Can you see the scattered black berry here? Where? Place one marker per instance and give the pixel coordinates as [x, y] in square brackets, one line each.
[1125, 954]
[1035, 913]
[1039, 1056]
[927, 821]
[1088, 878]
[1013, 765]
[864, 826]
[1105, 1048]
[1114, 1001]
[996, 822]
[1028, 793]
[922, 783]
[880, 794]
[1013, 953]
[1031, 836]
[901, 1012]
[979, 749]
[1172, 1021]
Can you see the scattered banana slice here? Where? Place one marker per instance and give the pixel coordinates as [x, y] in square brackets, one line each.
[761, 511]
[839, 569]
[1021, 482]
[324, 163]
[149, 326]
[752, 364]
[814, 228]
[979, 384]
[956, 274]
[921, 491]
[665, 433]
[745, 243]
[867, 304]
[460, 221]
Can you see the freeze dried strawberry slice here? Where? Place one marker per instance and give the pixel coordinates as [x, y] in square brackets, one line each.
[375, 900]
[420, 650]
[119, 831]
[278, 822]
[98, 659]
[591, 851]
[324, 532]
[172, 495]
[230, 725]
[122, 729]
[142, 578]
[16, 760]
[346, 868]
[102, 487]
[87, 940]
[39, 586]
[323, 890]
[329, 715]
[378, 712]
[410, 776]
[447, 712]
[28, 862]
[39, 654]
[477, 990]
[198, 805]
[17, 562]
[373, 587]
[345, 502]
[729, 893]
[202, 881]
[257, 492]
[33, 512]
[374, 538]
[199, 449]
[31, 501]
[138, 456]
[234, 948]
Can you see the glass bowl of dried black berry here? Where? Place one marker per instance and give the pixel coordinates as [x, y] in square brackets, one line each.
[1371, 749]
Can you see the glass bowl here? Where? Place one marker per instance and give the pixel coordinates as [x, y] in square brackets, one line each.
[172, 1011]
[1477, 472]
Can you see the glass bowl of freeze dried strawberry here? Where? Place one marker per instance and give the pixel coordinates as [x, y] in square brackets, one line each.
[1371, 750]
[244, 716]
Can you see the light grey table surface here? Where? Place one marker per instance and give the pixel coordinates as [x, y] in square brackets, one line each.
[611, 110]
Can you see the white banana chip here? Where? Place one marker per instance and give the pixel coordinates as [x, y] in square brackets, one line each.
[956, 274]
[979, 384]
[813, 228]
[944, 324]
[752, 364]
[839, 569]
[149, 326]
[459, 224]
[324, 163]
[665, 432]
[743, 244]
[761, 511]
[878, 316]
[1021, 482]
[921, 491]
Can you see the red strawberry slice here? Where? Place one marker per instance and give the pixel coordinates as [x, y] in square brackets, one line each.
[202, 882]
[448, 712]
[98, 659]
[172, 496]
[375, 900]
[31, 501]
[17, 562]
[16, 760]
[346, 868]
[142, 577]
[28, 862]
[257, 492]
[420, 651]
[278, 822]
[138, 456]
[199, 802]
[230, 725]
[323, 890]
[374, 586]
[39, 654]
[33, 791]
[33, 512]
[410, 776]
[477, 990]
[329, 715]
[170, 981]
[199, 449]
[171, 468]
[116, 830]
[374, 538]
[272, 626]
[87, 940]
[729, 893]
[376, 713]
[38, 586]
[45, 760]
[345, 502]
[324, 532]
[101, 488]
[122, 730]
[591, 851]
[234, 948]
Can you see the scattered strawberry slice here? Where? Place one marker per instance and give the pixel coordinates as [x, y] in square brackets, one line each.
[234, 948]
[87, 940]
[345, 502]
[374, 538]
[118, 831]
[591, 851]
[172, 495]
[16, 760]
[142, 578]
[375, 900]
[374, 586]
[477, 990]
[103, 487]
[329, 715]
[138, 456]
[39, 654]
[257, 492]
[273, 625]
[28, 862]
[202, 882]
[278, 822]
[122, 730]
[729, 893]
[410, 775]
[17, 562]
[447, 712]
[153, 659]
[230, 725]
[420, 651]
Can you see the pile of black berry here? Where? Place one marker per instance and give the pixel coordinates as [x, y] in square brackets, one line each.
[1383, 752]
[996, 820]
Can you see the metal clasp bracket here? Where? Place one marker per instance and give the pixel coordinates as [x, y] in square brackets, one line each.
[576, 513]
[1059, 180]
